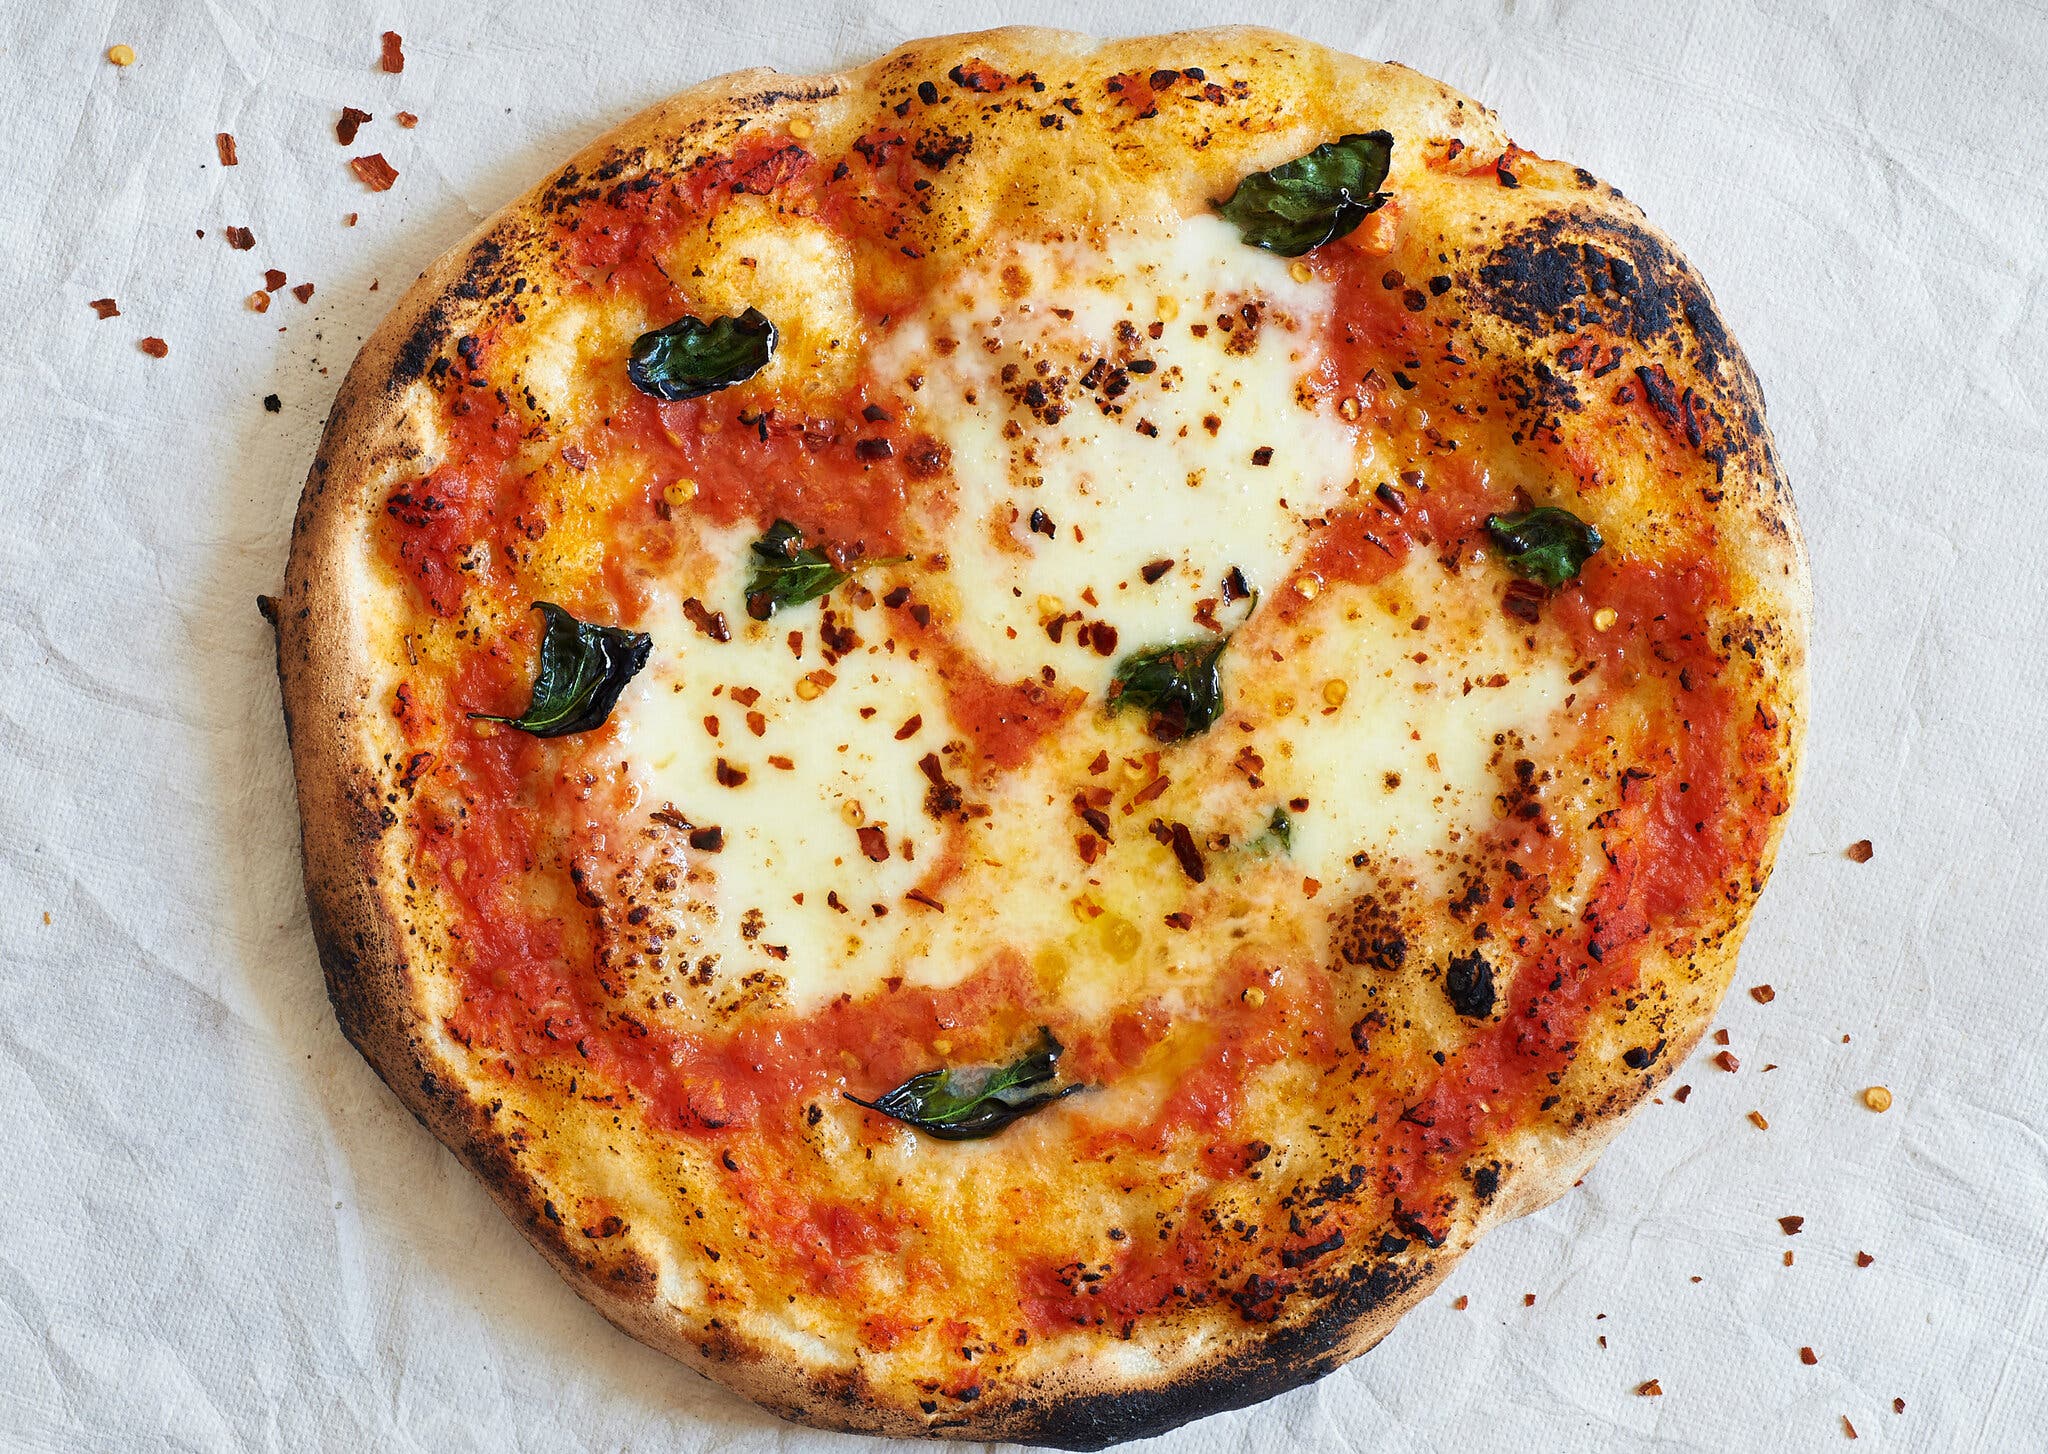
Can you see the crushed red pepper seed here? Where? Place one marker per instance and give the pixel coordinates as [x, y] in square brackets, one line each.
[1860, 851]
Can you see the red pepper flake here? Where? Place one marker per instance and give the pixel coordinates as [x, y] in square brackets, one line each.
[224, 143]
[1100, 764]
[374, 172]
[352, 119]
[1864, 1259]
[407, 120]
[1788, 1259]
[1680, 1095]
[1720, 1037]
[303, 292]
[273, 278]
[1461, 1303]
[392, 61]
[1528, 1299]
[1791, 1225]
[155, 347]
[104, 307]
[1860, 851]
[259, 301]
[241, 239]
[1898, 1406]
[1727, 1061]
[1650, 1388]
[711, 623]
[910, 727]
[708, 840]
[1190, 857]
[919, 896]
[1179, 920]
[1808, 1357]
[1848, 1428]
[874, 843]
[1763, 994]
[1310, 887]
[350, 221]
[780, 763]
[728, 775]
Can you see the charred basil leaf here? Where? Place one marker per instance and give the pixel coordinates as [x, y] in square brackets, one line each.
[1468, 984]
[786, 572]
[583, 668]
[690, 357]
[966, 1103]
[1545, 544]
[1179, 684]
[1313, 199]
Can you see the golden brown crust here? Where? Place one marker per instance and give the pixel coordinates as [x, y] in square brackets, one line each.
[343, 748]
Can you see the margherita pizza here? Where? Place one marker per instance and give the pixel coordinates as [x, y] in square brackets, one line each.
[1008, 738]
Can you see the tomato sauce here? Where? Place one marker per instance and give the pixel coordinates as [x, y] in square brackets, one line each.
[502, 817]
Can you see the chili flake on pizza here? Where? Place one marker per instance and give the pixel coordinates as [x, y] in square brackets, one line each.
[1009, 737]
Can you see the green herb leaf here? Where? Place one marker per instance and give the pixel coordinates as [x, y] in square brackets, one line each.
[1313, 199]
[1179, 684]
[1278, 837]
[583, 668]
[1546, 544]
[788, 573]
[691, 357]
[966, 1103]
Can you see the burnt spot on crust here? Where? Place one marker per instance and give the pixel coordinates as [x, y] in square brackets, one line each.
[1289, 1356]
[1573, 268]
[1485, 1180]
[1583, 278]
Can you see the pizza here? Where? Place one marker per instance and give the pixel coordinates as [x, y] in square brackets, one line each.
[1008, 738]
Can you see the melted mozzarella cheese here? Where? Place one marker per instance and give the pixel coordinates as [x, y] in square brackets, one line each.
[1393, 735]
[1163, 469]
[793, 887]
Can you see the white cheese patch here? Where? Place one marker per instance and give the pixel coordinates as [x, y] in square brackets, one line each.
[1115, 497]
[792, 830]
[1393, 734]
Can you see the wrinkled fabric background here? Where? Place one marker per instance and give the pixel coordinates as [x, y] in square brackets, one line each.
[219, 1231]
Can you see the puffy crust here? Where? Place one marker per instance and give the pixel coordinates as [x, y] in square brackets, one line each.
[1523, 294]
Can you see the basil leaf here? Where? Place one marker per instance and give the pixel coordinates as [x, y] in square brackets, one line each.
[1546, 544]
[1313, 199]
[1179, 684]
[1278, 837]
[690, 357]
[966, 1103]
[583, 668]
[786, 572]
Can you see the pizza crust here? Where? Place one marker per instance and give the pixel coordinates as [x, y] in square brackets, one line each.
[343, 743]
